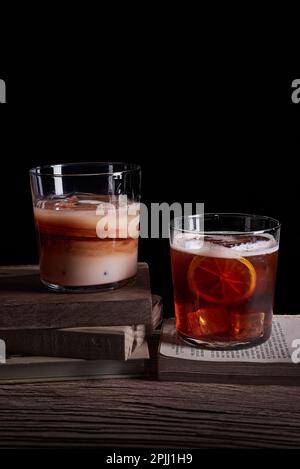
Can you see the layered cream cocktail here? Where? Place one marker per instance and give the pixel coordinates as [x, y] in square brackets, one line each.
[86, 240]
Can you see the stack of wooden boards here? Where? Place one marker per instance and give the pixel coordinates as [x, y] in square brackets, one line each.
[63, 335]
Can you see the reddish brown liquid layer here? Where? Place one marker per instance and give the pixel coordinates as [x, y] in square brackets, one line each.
[210, 321]
[91, 247]
[76, 234]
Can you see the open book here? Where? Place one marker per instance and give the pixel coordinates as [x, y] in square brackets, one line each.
[277, 361]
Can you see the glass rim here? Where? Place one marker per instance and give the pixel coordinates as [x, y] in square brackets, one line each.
[39, 170]
[276, 226]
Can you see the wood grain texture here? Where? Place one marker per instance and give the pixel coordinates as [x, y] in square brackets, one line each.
[25, 303]
[139, 413]
[21, 369]
[90, 343]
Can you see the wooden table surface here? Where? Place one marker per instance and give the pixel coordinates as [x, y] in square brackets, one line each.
[144, 413]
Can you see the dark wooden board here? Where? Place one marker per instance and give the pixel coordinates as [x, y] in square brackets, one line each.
[91, 343]
[138, 413]
[30, 369]
[25, 303]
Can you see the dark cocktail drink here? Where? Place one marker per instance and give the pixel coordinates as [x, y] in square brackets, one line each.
[224, 285]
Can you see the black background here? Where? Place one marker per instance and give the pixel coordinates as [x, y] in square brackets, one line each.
[217, 127]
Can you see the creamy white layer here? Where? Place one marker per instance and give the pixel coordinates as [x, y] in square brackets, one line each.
[78, 270]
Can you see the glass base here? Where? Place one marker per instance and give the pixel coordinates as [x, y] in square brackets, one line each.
[87, 288]
[219, 345]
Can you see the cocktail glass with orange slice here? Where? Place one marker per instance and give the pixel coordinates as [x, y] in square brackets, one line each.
[224, 278]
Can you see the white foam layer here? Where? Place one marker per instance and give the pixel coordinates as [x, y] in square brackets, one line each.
[188, 243]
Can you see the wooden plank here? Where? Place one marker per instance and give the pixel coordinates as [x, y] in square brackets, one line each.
[32, 369]
[91, 343]
[26, 304]
[138, 413]
[110, 342]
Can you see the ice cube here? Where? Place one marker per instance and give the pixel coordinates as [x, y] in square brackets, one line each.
[209, 322]
[67, 202]
[247, 325]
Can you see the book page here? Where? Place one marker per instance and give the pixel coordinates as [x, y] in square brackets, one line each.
[278, 349]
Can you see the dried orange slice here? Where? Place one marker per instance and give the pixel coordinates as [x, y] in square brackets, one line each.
[220, 280]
